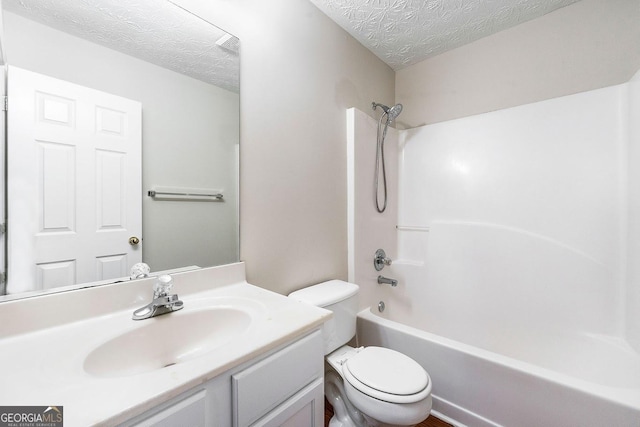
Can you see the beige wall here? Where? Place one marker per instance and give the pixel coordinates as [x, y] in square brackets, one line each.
[300, 72]
[588, 45]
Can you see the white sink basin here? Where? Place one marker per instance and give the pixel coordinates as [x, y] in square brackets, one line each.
[167, 340]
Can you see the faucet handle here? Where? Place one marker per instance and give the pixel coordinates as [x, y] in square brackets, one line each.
[162, 286]
[381, 260]
[139, 270]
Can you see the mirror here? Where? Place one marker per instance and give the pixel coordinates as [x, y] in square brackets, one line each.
[129, 112]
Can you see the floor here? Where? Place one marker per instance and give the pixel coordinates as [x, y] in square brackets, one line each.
[429, 422]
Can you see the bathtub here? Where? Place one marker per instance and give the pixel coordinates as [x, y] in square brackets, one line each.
[587, 383]
[515, 248]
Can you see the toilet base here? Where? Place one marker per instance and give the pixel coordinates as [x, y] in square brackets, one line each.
[344, 413]
[388, 414]
[346, 400]
[335, 422]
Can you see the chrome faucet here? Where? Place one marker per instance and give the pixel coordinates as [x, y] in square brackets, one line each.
[162, 303]
[386, 281]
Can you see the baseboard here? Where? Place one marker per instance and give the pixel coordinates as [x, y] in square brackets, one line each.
[458, 416]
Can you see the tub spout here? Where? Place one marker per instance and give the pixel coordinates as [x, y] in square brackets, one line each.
[386, 281]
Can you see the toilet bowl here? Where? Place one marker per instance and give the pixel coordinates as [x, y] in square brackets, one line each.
[386, 387]
[367, 386]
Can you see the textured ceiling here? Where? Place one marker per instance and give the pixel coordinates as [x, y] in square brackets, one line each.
[404, 32]
[155, 31]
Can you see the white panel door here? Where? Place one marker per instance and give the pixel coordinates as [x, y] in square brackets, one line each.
[74, 183]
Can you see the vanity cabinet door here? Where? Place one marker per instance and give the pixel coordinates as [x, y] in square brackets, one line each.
[305, 409]
[264, 386]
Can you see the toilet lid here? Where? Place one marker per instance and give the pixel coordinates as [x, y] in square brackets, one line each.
[387, 375]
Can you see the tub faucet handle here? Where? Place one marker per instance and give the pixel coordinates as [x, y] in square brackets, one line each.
[381, 260]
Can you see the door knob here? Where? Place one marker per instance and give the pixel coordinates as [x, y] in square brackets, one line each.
[134, 240]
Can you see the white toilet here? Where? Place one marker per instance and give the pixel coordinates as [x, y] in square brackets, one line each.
[367, 386]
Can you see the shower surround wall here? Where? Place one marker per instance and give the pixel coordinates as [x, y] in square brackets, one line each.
[526, 210]
[518, 236]
[632, 294]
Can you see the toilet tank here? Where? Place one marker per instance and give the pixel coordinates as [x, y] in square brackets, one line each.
[342, 299]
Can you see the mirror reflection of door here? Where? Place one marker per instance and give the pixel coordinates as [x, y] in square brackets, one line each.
[69, 144]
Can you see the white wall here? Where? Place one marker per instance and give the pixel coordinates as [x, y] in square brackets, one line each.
[526, 209]
[588, 45]
[179, 114]
[300, 72]
[633, 237]
[3, 243]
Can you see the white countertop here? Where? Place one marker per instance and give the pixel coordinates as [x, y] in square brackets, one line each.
[43, 365]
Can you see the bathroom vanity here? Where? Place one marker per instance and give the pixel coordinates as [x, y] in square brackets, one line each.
[284, 388]
[236, 355]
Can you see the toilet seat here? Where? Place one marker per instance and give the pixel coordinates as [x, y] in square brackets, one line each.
[387, 375]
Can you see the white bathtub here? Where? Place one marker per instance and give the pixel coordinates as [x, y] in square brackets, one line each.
[583, 382]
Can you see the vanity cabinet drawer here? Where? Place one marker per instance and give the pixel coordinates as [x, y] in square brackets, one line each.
[265, 385]
[186, 412]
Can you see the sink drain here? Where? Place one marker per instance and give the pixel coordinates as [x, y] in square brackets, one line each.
[169, 364]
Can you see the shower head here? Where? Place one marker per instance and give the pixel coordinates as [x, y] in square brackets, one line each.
[394, 111]
[391, 112]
